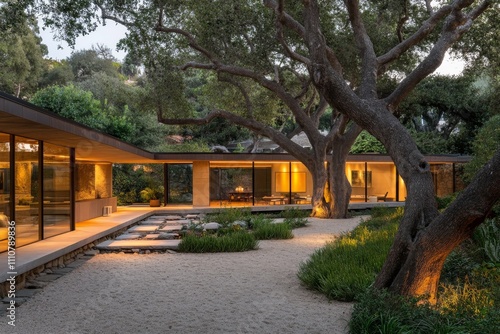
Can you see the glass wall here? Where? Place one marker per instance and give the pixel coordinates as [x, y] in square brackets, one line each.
[260, 183]
[27, 191]
[373, 182]
[179, 183]
[40, 197]
[231, 182]
[56, 190]
[5, 214]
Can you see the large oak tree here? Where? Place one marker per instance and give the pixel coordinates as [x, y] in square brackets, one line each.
[344, 49]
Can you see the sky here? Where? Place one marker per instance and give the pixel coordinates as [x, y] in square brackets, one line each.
[110, 34]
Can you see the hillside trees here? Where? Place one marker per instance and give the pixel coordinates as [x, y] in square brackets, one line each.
[21, 56]
[337, 52]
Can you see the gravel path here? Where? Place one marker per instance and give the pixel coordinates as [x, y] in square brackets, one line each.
[249, 292]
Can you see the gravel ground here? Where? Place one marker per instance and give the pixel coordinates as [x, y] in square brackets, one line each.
[248, 292]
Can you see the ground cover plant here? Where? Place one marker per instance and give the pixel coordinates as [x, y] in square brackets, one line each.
[238, 230]
[346, 266]
[469, 290]
[211, 243]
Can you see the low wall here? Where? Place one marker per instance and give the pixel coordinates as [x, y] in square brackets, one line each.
[93, 208]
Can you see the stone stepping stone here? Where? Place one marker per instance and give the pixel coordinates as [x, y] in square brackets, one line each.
[172, 217]
[156, 217]
[143, 228]
[211, 226]
[177, 222]
[139, 244]
[152, 222]
[192, 216]
[151, 236]
[171, 228]
[26, 293]
[48, 278]
[128, 236]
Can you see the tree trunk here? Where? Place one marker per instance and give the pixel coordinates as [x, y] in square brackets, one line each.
[419, 264]
[331, 189]
[320, 204]
[340, 189]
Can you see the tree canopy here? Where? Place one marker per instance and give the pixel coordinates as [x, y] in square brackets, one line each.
[298, 59]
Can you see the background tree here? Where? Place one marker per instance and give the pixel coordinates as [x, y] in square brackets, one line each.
[444, 113]
[21, 56]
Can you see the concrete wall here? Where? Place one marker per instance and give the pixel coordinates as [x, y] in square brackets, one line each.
[93, 208]
[201, 183]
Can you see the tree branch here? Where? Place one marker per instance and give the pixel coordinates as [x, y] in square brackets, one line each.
[369, 65]
[255, 126]
[455, 26]
[299, 29]
[280, 19]
[424, 31]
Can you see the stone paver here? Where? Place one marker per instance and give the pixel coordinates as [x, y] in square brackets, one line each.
[139, 244]
[48, 278]
[143, 228]
[152, 222]
[171, 228]
[151, 236]
[172, 217]
[128, 236]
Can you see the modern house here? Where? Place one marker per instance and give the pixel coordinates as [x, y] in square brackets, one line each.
[55, 173]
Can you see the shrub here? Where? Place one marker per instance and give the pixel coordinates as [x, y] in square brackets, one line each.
[445, 201]
[468, 296]
[267, 231]
[294, 217]
[226, 217]
[487, 237]
[209, 243]
[460, 310]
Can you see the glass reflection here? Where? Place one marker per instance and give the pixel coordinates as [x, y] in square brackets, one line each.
[5, 214]
[27, 191]
[56, 190]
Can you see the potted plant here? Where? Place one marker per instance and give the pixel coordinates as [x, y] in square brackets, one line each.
[153, 195]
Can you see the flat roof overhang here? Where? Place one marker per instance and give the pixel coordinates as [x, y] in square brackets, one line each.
[285, 157]
[21, 118]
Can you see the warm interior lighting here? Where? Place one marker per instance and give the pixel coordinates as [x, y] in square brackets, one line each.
[299, 183]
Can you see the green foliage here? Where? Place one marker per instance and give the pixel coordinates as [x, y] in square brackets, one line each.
[444, 113]
[148, 193]
[366, 143]
[21, 56]
[294, 217]
[187, 146]
[468, 297]
[466, 309]
[228, 216]
[56, 74]
[445, 201]
[86, 63]
[345, 268]
[487, 237]
[269, 230]
[485, 145]
[79, 105]
[232, 242]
